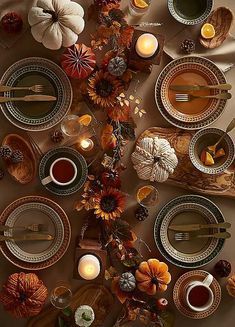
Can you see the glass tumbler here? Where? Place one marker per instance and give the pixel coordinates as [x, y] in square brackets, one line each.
[61, 295]
[138, 7]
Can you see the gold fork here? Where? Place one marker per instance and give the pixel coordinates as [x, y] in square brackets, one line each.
[32, 228]
[38, 88]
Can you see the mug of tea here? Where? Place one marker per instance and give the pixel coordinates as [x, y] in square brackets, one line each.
[199, 296]
[63, 171]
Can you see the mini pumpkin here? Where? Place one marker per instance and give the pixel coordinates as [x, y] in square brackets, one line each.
[78, 61]
[152, 276]
[56, 23]
[231, 285]
[23, 295]
[127, 282]
[154, 159]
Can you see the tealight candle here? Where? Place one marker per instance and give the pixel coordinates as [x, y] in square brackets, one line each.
[86, 144]
[89, 267]
[146, 45]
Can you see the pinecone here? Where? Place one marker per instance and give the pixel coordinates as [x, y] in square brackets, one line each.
[141, 213]
[117, 66]
[57, 136]
[223, 268]
[5, 152]
[1, 173]
[188, 46]
[17, 156]
[101, 3]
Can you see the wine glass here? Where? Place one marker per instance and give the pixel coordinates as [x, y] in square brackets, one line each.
[147, 195]
[61, 295]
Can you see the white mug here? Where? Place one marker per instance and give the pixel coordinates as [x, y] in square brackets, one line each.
[51, 178]
[205, 283]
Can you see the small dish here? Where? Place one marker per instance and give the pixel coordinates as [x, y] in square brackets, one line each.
[190, 12]
[25, 171]
[180, 289]
[222, 19]
[69, 153]
[210, 136]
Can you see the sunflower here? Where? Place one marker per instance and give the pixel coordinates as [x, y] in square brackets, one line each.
[119, 113]
[109, 204]
[104, 88]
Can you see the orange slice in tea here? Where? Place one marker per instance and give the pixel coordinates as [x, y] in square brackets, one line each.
[143, 192]
[140, 4]
[85, 120]
[220, 153]
[209, 161]
[207, 31]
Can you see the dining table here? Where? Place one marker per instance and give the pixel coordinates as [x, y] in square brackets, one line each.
[10, 190]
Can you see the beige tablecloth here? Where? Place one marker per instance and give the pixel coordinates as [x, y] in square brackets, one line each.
[9, 190]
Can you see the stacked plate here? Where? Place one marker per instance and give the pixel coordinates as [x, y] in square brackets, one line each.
[35, 255]
[188, 209]
[197, 113]
[37, 116]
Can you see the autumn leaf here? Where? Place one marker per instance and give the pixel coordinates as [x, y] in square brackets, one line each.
[126, 36]
[128, 130]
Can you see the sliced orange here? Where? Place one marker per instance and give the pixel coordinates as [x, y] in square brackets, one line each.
[140, 4]
[220, 153]
[143, 192]
[207, 31]
[85, 120]
[209, 161]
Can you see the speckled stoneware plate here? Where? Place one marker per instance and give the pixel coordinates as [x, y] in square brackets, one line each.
[190, 12]
[35, 213]
[210, 136]
[180, 290]
[59, 212]
[183, 124]
[37, 116]
[189, 74]
[64, 152]
[188, 209]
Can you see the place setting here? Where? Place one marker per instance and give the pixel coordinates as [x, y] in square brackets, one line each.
[75, 137]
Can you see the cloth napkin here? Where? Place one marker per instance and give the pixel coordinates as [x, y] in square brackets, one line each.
[223, 56]
[21, 7]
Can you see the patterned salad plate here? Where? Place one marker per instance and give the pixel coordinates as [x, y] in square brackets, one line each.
[180, 290]
[188, 209]
[37, 116]
[76, 157]
[197, 113]
[35, 255]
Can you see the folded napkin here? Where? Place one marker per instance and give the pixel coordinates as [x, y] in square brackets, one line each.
[21, 7]
[223, 56]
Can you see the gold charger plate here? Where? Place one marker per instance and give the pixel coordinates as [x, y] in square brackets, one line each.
[180, 289]
[189, 74]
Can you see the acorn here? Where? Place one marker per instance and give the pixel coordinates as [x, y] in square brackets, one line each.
[223, 268]
[161, 304]
[12, 22]
[17, 156]
[5, 152]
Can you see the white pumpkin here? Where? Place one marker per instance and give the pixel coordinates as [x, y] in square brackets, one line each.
[56, 23]
[154, 159]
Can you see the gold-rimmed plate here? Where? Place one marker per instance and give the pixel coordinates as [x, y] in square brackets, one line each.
[188, 209]
[180, 290]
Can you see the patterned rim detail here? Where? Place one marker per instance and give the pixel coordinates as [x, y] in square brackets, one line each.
[195, 21]
[174, 112]
[161, 216]
[79, 161]
[192, 125]
[67, 233]
[183, 207]
[180, 288]
[55, 245]
[210, 170]
[64, 93]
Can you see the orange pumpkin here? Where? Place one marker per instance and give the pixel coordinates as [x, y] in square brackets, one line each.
[152, 276]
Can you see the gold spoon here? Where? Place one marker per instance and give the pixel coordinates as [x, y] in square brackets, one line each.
[212, 148]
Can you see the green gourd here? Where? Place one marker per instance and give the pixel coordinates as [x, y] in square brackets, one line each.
[127, 282]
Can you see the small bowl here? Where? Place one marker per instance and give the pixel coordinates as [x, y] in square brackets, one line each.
[210, 136]
[190, 12]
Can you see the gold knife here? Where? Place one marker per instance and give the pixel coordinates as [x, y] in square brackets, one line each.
[28, 237]
[194, 227]
[29, 98]
[200, 87]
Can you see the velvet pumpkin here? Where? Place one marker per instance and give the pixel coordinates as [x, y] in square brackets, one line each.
[231, 285]
[152, 276]
[23, 295]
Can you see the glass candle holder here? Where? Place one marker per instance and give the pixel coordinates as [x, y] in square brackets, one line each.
[138, 7]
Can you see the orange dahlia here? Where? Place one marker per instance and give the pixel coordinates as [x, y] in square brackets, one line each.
[104, 88]
[109, 204]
